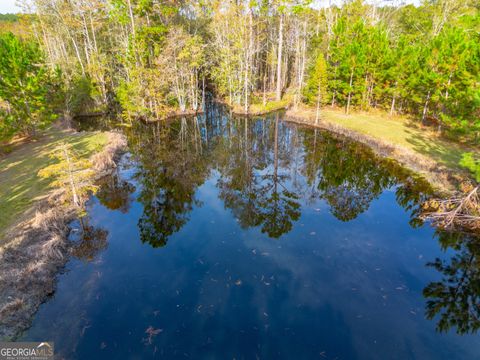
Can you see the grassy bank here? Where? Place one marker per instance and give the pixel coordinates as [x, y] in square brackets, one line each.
[19, 184]
[37, 247]
[258, 108]
[400, 132]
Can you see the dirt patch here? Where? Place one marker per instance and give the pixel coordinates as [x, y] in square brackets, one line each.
[39, 249]
[445, 180]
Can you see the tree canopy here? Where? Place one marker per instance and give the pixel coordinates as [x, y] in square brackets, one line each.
[150, 58]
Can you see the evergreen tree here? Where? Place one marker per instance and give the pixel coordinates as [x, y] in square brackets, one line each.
[26, 87]
[315, 91]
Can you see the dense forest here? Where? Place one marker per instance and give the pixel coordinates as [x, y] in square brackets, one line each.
[150, 58]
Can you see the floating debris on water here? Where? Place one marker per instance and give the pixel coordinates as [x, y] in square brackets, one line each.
[152, 332]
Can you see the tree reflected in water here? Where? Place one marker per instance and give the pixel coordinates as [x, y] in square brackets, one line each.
[455, 299]
[115, 193]
[250, 182]
[92, 240]
[171, 167]
[345, 174]
[349, 177]
[264, 169]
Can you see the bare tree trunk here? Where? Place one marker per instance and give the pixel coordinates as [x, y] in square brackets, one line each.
[425, 108]
[264, 89]
[279, 60]
[45, 40]
[347, 110]
[448, 85]
[335, 89]
[301, 70]
[86, 39]
[179, 87]
[304, 58]
[85, 49]
[77, 52]
[248, 62]
[319, 100]
[203, 93]
[272, 69]
[93, 34]
[70, 176]
[130, 13]
[392, 108]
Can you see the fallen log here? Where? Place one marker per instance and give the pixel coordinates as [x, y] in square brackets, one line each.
[461, 211]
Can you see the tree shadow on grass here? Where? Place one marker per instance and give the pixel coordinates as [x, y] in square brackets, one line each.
[19, 184]
[440, 151]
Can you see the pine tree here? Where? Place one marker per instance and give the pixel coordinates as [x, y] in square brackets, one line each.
[315, 90]
[71, 174]
[26, 86]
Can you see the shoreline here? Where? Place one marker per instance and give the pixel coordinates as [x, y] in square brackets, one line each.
[39, 249]
[258, 112]
[174, 114]
[239, 110]
[442, 178]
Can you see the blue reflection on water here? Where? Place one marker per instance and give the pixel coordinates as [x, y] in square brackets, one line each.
[232, 238]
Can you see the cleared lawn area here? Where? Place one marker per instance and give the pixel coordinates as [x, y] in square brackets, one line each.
[403, 132]
[19, 184]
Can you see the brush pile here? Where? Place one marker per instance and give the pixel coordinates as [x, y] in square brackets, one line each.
[461, 211]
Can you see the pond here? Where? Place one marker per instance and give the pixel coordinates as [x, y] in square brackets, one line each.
[235, 238]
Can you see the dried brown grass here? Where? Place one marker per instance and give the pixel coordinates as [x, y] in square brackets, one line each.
[104, 161]
[28, 269]
[30, 262]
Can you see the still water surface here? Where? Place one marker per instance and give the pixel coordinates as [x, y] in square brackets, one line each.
[230, 238]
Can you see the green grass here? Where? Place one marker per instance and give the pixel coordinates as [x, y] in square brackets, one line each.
[19, 184]
[271, 105]
[403, 132]
[257, 107]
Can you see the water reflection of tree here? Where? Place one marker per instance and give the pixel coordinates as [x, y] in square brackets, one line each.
[115, 193]
[280, 206]
[455, 299]
[343, 173]
[349, 176]
[92, 240]
[411, 192]
[257, 193]
[264, 166]
[238, 181]
[171, 167]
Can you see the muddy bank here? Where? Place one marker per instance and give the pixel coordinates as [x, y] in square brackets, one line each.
[39, 249]
[445, 180]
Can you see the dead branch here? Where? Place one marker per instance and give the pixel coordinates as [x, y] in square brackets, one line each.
[456, 212]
